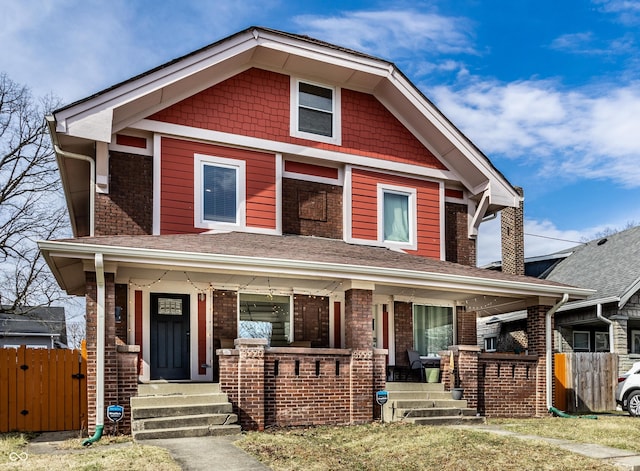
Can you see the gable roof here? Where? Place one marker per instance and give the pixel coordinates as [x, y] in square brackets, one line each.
[246, 256]
[610, 265]
[77, 127]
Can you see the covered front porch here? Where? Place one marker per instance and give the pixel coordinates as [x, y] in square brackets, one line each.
[319, 318]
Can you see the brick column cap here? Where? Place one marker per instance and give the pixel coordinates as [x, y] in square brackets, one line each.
[128, 348]
[250, 342]
[464, 348]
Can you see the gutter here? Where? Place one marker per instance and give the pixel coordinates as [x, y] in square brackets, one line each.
[100, 301]
[606, 321]
[92, 176]
[549, 353]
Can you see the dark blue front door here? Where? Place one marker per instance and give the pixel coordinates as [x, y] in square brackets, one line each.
[169, 339]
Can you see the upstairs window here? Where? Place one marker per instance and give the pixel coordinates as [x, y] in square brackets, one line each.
[314, 112]
[397, 216]
[219, 192]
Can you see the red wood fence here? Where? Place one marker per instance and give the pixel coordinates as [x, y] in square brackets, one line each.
[42, 390]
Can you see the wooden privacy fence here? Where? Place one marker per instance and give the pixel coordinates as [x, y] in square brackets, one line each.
[585, 382]
[42, 390]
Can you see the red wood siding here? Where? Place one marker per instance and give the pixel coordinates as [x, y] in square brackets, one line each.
[131, 141]
[310, 169]
[364, 209]
[453, 193]
[177, 185]
[256, 103]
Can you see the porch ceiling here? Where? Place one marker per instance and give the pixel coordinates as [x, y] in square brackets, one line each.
[306, 265]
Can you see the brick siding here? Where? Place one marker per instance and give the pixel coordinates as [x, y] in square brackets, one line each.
[324, 221]
[459, 247]
[403, 331]
[311, 319]
[128, 208]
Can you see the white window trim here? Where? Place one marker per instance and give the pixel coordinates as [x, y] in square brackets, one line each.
[413, 216]
[240, 166]
[335, 113]
[573, 346]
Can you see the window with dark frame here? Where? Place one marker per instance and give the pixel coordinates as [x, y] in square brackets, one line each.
[315, 109]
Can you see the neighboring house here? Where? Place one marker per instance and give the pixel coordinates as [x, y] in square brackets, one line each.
[35, 327]
[272, 185]
[609, 319]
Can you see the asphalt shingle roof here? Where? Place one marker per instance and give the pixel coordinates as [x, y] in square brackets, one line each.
[300, 248]
[610, 265]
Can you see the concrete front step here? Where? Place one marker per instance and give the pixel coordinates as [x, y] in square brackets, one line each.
[418, 395]
[179, 400]
[436, 412]
[447, 420]
[197, 420]
[404, 386]
[178, 411]
[173, 410]
[187, 432]
[162, 388]
[431, 403]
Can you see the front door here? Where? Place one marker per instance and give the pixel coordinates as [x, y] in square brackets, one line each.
[169, 336]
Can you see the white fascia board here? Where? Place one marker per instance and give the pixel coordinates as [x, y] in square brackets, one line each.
[147, 84]
[265, 145]
[307, 269]
[323, 53]
[588, 303]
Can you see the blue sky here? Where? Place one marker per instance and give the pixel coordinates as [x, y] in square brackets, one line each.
[549, 90]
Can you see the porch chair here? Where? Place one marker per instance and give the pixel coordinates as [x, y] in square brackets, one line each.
[415, 363]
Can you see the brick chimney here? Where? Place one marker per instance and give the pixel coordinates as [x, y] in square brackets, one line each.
[512, 232]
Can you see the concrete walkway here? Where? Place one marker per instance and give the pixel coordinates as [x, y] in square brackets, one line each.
[208, 453]
[623, 459]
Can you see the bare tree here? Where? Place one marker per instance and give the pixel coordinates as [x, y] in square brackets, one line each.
[31, 204]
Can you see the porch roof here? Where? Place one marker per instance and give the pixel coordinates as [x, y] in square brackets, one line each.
[387, 271]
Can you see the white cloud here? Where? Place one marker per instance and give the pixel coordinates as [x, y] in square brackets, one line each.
[627, 11]
[583, 133]
[392, 33]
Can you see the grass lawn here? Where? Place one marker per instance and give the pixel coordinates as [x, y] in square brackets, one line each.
[109, 453]
[410, 447]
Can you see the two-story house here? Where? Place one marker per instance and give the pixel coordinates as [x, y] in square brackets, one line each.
[272, 186]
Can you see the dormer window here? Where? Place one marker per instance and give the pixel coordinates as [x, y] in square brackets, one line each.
[314, 112]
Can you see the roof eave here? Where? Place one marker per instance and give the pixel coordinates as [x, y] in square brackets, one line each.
[271, 266]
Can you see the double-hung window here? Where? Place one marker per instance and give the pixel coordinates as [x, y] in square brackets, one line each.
[219, 192]
[397, 216]
[314, 112]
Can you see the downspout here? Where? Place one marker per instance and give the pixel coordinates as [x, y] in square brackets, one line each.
[606, 321]
[86, 158]
[100, 303]
[549, 342]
